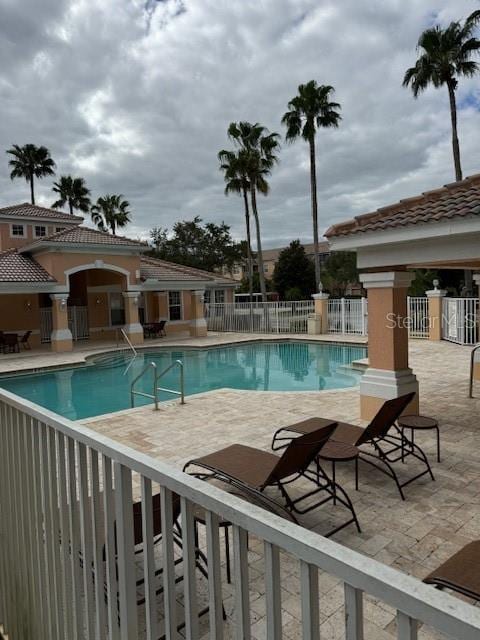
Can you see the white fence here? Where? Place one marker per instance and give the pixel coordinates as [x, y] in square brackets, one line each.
[460, 320]
[69, 567]
[260, 317]
[347, 316]
[77, 323]
[418, 317]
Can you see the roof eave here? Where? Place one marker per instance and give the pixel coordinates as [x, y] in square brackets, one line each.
[84, 247]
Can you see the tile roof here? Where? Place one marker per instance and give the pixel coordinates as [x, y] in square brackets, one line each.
[85, 235]
[162, 270]
[16, 267]
[27, 210]
[455, 200]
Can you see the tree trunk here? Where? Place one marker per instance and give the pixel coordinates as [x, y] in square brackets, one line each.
[32, 193]
[249, 245]
[261, 272]
[70, 207]
[455, 145]
[313, 193]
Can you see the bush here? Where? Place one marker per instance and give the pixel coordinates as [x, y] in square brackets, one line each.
[294, 293]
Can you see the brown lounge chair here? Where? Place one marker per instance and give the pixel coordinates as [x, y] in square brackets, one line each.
[252, 470]
[460, 573]
[388, 447]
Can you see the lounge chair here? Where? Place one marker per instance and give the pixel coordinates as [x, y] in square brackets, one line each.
[24, 340]
[460, 573]
[252, 470]
[388, 447]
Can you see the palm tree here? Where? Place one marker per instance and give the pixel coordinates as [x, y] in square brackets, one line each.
[30, 162]
[258, 150]
[72, 191]
[309, 110]
[446, 56]
[111, 212]
[234, 166]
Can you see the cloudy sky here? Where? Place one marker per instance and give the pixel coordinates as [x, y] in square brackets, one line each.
[136, 96]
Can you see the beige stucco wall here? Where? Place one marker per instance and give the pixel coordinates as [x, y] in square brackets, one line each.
[20, 313]
[8, 242]
[57, 263]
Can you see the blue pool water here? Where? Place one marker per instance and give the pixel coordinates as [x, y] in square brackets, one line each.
[103, 385]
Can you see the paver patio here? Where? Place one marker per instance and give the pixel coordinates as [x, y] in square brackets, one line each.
[414, 536]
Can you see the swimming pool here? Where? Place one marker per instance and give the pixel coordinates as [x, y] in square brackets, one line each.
[103, 384]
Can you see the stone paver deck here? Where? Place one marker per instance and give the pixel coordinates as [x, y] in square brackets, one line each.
[414, 536]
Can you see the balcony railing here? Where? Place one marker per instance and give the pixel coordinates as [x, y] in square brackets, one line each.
[69, 567]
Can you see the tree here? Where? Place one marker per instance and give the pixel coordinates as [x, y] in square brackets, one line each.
[446, 56]
[294, 271]
[111, 212]
[339, 272]
[234, 166]
[30, 162]
[72, 191]
[309, 110]
[258, 149]
[209, 246]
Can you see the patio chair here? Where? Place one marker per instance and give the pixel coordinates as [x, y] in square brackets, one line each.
[10, 343]
[388, 448]
[251, 471]
[460, 573]
[160, 328]
[24, 340]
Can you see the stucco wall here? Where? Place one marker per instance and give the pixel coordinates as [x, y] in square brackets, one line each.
[20, 313]
[9, 242]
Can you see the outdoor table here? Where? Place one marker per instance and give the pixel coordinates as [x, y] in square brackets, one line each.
[419, 423]
[340, 452]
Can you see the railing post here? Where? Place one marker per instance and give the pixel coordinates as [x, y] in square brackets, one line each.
[407, 627]
[343, 315]
[353, 613]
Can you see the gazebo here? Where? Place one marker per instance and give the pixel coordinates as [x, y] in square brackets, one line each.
[437, 229]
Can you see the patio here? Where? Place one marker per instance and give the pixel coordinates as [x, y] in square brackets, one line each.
[413, 536]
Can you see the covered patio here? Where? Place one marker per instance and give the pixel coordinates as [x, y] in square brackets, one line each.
[437, 229]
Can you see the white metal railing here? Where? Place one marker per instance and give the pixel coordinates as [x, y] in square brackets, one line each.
[78, 322]
[460, 320]
[418, 317]
[69, 569]
[46, 324]
[156, 376]
[260, 317]
[347, 316]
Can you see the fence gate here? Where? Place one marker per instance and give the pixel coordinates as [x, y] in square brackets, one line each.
[260, 317]
[460, 320]
[418, 317]
[45, 324]
[347, 316]
[77, 323]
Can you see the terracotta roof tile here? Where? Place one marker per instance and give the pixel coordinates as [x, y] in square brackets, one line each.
[85, 235]
[17, 267]
[163, 270]
[27, 210]
[455, 200]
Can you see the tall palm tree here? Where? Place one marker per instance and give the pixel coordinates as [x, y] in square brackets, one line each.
[30, 162]
[72, 191]
[111, 212]
[258, 148]
[311, 109]
[234, 167]
[445, 56]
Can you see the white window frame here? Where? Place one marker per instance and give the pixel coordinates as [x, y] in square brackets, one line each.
[17, 235]
[39, 226]
[180, 305]
[207, 296]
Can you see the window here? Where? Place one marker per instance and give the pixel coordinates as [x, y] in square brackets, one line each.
[174, 305]
[17, 230]
[58, 229]
[265, 268]
[207, 296]
[219, 296]
[117, 310]
[40, 231]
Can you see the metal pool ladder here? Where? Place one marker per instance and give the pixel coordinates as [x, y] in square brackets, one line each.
[156, 377]
[472, 366]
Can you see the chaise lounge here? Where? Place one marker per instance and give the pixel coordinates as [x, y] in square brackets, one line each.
[460, 573]
[388, 447]
[252, 471]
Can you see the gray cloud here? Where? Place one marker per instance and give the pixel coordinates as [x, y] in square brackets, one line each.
[135, 96]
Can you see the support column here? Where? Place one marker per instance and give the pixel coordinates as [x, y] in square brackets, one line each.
[198, 324]
[388, 374]
[132, 328]
[476, 365]
[61, 337]
[318, 323]
[162, 304]
[435, 311]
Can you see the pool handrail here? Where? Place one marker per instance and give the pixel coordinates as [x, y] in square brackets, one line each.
[156, 377]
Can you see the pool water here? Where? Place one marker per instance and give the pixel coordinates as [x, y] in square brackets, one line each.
[103, 384]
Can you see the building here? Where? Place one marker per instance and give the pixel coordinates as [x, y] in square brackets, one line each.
[270, 259]
[64, 282]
